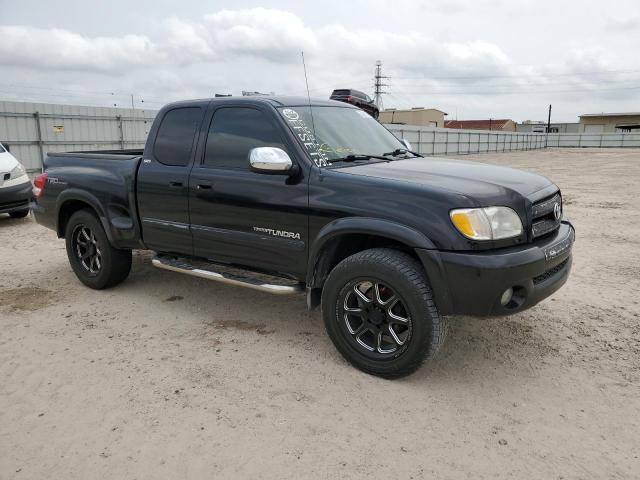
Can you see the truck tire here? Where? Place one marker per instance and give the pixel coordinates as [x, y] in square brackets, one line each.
[379, 312]
[19, 214]
[95, 262]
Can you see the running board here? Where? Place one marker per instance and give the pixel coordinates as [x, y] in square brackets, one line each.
[229, 275]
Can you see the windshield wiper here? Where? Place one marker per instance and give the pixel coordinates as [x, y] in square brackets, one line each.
[400, 151]
[359, 156]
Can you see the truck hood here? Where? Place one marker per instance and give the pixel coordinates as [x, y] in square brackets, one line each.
[479, 181]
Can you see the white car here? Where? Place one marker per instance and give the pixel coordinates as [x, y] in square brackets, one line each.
[15, 186]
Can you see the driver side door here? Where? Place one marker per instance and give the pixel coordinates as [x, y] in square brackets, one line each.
[243, 217]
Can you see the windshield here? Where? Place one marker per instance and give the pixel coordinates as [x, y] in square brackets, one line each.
[339, 132]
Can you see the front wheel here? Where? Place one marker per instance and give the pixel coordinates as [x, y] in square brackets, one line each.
[378, 310]
[95, 262]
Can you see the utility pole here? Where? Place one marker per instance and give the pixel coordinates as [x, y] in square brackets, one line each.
[377, 86]
[546, 138]
[132, 104]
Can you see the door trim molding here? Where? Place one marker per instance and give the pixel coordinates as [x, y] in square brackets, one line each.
[166, 223]
[257, 240]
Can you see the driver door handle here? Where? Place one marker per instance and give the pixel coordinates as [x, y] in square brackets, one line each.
[175, 184]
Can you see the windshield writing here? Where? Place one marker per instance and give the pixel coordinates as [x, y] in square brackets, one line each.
[339, 132]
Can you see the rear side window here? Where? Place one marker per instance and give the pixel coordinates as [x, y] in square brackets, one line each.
[234, 131]
[176, 135]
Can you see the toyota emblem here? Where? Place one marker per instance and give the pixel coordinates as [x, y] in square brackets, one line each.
[557, 211]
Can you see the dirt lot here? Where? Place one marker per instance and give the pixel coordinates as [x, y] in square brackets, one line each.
[169, 376]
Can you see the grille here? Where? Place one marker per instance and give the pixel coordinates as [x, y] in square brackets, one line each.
[543, 216]
[550, 273]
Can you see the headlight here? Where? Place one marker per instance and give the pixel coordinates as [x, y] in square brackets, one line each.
[17, 172]
[489, 223]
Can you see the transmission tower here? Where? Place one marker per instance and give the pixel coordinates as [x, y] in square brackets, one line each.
[377, 86]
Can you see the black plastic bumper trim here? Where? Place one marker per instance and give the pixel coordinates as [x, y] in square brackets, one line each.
[472, 283]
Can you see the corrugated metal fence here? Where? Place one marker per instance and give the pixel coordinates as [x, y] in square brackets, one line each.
[446, 141]
[599, 140]
[33, 129]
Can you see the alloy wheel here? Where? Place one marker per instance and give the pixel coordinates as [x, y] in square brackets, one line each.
[87, 249]
[375, 318]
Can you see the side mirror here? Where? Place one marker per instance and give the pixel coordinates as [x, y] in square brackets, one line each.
[406, 143]
[270, 160]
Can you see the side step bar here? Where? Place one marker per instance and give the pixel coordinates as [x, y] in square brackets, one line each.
[229, 275]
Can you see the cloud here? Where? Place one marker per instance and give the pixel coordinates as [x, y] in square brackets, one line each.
[259, 49]
[622, 25]
[275, 34]
[270, 35]
[61, 49]
[279, 36]
[187, 40]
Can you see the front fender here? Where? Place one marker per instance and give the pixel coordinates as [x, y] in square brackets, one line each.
[367, 226]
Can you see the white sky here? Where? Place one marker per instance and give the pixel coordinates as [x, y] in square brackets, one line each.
[479, 59]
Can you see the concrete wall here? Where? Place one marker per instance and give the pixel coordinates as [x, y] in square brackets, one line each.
[426, 117]
[32, 129]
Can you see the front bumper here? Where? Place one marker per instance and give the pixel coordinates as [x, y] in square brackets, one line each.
[15, 198]
[473, 283]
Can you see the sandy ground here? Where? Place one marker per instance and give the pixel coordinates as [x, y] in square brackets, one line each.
[172, 377]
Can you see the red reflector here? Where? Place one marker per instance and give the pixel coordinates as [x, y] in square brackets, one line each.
[349, 99]
[38, 185]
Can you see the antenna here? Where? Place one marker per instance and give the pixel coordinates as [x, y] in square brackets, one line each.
[306, 81]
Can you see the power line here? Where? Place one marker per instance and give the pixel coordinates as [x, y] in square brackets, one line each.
[515, 92]
[526, 83]
[515, 76]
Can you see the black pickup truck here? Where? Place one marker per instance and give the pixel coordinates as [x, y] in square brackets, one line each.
[285, 195]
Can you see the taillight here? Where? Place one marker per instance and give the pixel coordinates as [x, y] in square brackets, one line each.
[349, 99]
[38, 185]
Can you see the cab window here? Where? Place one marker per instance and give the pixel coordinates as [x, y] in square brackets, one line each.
[233, 132]
[176, 135]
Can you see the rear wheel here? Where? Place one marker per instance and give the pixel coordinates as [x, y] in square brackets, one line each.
[95, 262]
[379, 312]
[19, 214]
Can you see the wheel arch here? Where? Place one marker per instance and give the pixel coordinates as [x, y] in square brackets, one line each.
[344, 237]
[72, 200]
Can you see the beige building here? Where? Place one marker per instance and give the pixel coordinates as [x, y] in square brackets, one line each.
[426, 117]
[610, 122]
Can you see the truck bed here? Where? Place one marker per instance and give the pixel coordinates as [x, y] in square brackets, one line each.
[104, 180]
